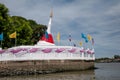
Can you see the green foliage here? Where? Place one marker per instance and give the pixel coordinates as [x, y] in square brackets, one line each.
[28, 31]
[23, 29]
[116, 56]
[3, 17]
[38, 31]
[106, 59]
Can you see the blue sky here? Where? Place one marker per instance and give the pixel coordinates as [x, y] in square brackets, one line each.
[99, 18]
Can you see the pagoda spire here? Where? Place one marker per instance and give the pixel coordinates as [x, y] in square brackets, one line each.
[49, 37]
[50, 21]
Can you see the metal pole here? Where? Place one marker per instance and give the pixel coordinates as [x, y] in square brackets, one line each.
[1, 43]
[15, 41]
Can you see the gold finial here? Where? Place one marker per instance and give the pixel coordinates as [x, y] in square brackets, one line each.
[51, 13]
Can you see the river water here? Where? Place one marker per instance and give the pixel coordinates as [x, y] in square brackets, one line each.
[105, 71]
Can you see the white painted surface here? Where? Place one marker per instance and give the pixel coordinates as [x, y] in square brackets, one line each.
[41, 54]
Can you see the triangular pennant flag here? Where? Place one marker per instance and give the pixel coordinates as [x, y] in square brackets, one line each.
[85, 37]
[89, 37]
[92, 41]
[70, 38]
[1, 36]
[81, 43]
[46, 35]
[13, 35]
[58, 37]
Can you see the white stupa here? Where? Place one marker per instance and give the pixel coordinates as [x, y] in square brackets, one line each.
[45, 49]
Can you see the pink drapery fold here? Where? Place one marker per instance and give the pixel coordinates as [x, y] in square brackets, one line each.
[89, 51]
[15, 50]
[47, 50]
[2, 51]
[24, 49]
[20, 53]
[59, 50]
[72, 50]
[33, 50]
[82, 50]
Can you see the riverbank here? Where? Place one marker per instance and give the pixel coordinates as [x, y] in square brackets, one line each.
[107, 60]
[12, 68]
[71, 75]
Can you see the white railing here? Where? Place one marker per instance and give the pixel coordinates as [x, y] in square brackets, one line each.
[46, 53]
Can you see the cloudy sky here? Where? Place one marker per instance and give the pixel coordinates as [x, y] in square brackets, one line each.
[99, 18]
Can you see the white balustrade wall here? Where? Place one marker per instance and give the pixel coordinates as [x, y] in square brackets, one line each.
[46, 53]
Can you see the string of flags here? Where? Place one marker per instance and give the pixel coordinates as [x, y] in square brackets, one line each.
[87, 38]
[13, 35]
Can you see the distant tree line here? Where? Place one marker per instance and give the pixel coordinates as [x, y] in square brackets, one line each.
[28, 31]
[116, 58]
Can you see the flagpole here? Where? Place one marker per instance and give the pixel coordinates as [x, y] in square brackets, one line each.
[1, 38]
[92, 43]
[1, 43]
[58, 43]
[15, 41]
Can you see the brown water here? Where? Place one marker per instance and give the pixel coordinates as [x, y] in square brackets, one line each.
[106, 71]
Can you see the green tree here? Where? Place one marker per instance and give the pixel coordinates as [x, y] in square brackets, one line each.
[116, 56]
[23, 29]
[38, 31]
[3, 17]
[4, 23]
[28, 31]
